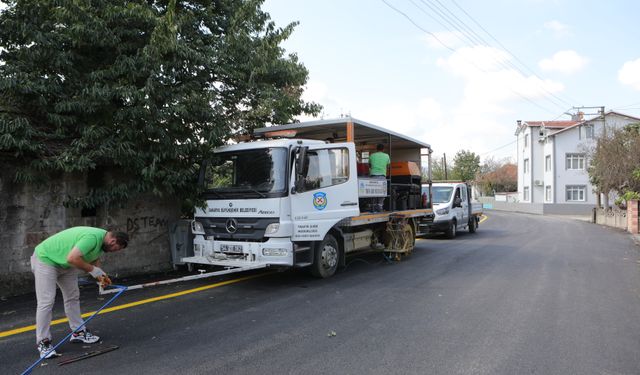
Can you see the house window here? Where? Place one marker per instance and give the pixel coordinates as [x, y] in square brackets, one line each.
[588, 131]
[526, 165]
[526, 140]
[547, 163]
[547, 193]
[576, 193]
[526, 193]
[575, 161]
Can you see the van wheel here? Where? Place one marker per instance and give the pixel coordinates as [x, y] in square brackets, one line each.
[326, 256]
[473, 224]
[451, 231]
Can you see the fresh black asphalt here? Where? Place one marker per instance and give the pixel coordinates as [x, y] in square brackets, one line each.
[524, 295]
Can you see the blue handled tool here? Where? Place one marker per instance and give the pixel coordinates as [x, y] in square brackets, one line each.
[120, 291]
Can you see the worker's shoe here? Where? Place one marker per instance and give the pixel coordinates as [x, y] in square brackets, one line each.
[46, 349]
[84, 337]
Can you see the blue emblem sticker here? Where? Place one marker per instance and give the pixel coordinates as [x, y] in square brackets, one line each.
[320, 201]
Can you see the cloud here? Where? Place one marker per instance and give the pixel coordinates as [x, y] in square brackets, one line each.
[451, 39]
[567, 61]
[490, 91]
[317, 91]
[559, 29]
[490, 79]
[629, 74]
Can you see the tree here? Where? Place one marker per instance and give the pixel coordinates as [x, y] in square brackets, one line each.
[497, 176]
[438, 168]
[465, 165]
[615, 164]
[144, 87]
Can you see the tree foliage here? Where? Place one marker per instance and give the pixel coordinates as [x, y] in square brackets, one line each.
[615, 164]
[497, 176]
[438, 168]
[465, 165]
[143, 87]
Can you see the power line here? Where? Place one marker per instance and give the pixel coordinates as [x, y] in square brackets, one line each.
[473, 39]
[453, 50]
[499, 148]
[509, 51]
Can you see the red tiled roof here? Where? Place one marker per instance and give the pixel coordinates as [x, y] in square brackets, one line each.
[553, 124]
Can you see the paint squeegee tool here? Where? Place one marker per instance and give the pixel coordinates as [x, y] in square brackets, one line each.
[228, 270]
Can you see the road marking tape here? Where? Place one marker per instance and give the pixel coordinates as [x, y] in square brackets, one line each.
[133, 304]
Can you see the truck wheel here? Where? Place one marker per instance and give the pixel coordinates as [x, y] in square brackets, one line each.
[473, 224]
[326, 256]
[451, 231]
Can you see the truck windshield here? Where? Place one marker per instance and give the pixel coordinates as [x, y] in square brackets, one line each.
[442, 194]
[258, 173]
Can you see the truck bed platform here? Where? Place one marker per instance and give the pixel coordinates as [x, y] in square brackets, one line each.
[383, 217]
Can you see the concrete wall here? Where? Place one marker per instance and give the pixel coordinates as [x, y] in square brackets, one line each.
[29, 214]
[537, 208]
[613, 217]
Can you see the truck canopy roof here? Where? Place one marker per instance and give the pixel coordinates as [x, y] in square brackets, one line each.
[338, 130]
[271, 143]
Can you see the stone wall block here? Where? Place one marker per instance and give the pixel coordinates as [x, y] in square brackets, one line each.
[29, 214]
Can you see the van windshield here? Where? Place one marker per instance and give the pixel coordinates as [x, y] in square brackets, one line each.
[258, 173]
[442, 194]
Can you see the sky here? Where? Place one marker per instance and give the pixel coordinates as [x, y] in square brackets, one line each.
[458, 74]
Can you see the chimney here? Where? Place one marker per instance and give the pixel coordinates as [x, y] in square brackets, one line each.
[579, 116]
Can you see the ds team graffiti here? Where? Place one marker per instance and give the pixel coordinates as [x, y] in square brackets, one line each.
[135, 224]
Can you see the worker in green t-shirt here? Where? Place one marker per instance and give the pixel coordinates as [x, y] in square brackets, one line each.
[57, 260]
[379, 163]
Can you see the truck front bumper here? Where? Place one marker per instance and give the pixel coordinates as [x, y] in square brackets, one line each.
[435, 227]
[274, 252]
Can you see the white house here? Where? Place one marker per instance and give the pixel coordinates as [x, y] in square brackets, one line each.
[552, 161]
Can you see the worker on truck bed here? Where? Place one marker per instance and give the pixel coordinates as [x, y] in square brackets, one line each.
[57, 260]
[378, 166]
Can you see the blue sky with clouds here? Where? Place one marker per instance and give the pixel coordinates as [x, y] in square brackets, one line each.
[467, 70]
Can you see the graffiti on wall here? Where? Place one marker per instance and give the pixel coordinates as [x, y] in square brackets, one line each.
[145, 223]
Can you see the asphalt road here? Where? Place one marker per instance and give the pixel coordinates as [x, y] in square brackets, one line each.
[524, 295]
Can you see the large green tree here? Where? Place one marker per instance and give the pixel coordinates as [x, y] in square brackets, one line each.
[143, 87]
[465, 165]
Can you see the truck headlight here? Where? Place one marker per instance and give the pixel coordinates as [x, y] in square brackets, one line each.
[443, 211]
[274, 252]
[272, 228]
[197, 227]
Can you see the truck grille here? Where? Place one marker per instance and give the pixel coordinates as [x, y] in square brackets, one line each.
[247, 228]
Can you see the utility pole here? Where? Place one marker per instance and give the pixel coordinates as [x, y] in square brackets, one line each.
[444, 162]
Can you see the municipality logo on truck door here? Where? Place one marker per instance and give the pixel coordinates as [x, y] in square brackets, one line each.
[320, 201]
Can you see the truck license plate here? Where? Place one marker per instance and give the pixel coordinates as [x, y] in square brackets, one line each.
[225, 248]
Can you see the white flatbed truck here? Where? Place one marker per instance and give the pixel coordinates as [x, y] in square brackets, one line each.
[454, 208]
[303, 201]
